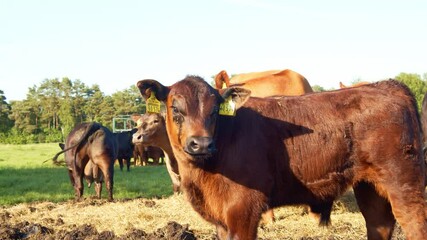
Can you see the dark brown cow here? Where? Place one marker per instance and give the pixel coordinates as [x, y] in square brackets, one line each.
[268, 83]
[152, 131]
[90, 142]
[297, 150]
[125, 147]
[92, 174]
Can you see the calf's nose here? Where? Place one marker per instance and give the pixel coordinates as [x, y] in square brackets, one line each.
[199, 145]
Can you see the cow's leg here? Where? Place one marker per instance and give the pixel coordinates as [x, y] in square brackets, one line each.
[78, 173]
[128, 164]
[120, 163]
[408, 204]
[71, 176]
[97, 177]
[242, 222]
[376, 210]
[107, 168]
[322, 212]
[144, 158]
[221, 232]
[78, 185]
[267, 217]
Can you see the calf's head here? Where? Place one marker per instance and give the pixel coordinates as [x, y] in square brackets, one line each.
[192, 108]
[150, 128]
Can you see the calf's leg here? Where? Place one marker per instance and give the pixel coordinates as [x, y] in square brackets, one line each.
[376, 210]
[105, 163]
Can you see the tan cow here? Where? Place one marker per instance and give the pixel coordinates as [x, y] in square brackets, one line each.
[267, 83]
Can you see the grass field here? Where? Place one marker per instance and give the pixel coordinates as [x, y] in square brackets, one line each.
[25, 177]
[36, 201]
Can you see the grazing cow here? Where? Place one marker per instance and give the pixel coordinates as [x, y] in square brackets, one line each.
[152, 131]
[266, 84]
[358, 84]
[297, 150]
[125, 147]
[90, 142]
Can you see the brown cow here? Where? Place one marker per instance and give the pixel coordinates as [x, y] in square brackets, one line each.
[268, 83]
[91, 174]
[152, 131]
[297, 150]
[90, 142]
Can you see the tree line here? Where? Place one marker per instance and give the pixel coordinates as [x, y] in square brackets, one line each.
[52, 108]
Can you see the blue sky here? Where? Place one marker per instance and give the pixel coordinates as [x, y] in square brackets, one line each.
[116, 43]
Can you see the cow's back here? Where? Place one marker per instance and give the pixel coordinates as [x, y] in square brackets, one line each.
[243, 77]
[286, 82]
[103, 143]
[352, 127]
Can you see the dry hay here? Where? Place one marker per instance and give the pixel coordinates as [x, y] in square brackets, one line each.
[168, 218]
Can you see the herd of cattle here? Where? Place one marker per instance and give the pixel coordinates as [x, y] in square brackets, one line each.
[267, 140]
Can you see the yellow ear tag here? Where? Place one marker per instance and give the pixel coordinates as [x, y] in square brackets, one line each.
[153, 105]
[224, 85]
[227, 108]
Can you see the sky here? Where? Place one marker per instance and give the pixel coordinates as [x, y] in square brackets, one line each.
[116, 43]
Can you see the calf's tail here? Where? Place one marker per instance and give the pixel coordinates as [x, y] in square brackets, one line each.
[90, 128]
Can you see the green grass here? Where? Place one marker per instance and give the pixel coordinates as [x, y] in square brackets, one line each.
[25, 178]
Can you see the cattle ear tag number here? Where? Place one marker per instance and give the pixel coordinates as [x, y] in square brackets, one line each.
[228, 107]
[153, 105]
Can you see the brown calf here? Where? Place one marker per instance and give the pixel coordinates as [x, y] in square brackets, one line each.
[152, 131]
[297, 150]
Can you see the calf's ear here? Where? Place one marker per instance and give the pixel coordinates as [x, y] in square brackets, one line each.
[135, 117]
[61, 145]
[238, 95]
[147, 86]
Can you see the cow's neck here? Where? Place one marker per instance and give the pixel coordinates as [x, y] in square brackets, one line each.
[199, 185]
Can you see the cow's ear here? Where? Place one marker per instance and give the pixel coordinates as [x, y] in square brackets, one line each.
[61, 145]
[148, 85]
[222, 80]
[135, 117]
[238, 95]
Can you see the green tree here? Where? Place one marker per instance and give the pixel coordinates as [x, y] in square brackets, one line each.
[128, 101]
[416, 84]
[24, 117]
[318, 88]
[107, 112]
[5, 122]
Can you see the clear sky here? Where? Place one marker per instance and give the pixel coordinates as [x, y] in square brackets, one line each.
[116, 43]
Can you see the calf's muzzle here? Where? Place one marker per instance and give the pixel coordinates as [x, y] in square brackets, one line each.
[199, 145]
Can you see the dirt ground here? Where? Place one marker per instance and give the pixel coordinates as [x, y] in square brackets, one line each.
[169, 218]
